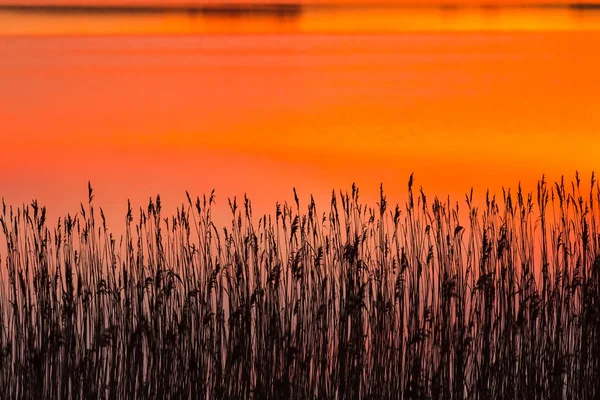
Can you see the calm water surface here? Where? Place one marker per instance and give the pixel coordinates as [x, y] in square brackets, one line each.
[141, 104]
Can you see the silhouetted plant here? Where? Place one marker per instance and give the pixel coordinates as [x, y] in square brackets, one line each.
[354, 302]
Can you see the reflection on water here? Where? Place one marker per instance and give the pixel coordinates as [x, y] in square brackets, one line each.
[259, 113]
[289, 18]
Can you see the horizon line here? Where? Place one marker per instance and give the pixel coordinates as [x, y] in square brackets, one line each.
[275, 8]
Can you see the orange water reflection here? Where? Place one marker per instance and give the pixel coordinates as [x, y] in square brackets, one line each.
[260, 113]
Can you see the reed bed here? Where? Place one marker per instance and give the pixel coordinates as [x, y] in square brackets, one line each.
[355, 302]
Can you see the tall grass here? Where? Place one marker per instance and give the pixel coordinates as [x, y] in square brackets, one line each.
[348, 303]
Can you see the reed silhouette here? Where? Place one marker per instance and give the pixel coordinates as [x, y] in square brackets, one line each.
[355, 302]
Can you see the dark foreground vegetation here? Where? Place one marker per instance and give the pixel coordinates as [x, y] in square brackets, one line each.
[350, 303]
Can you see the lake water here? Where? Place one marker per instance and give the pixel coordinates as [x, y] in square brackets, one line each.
[147, 102]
